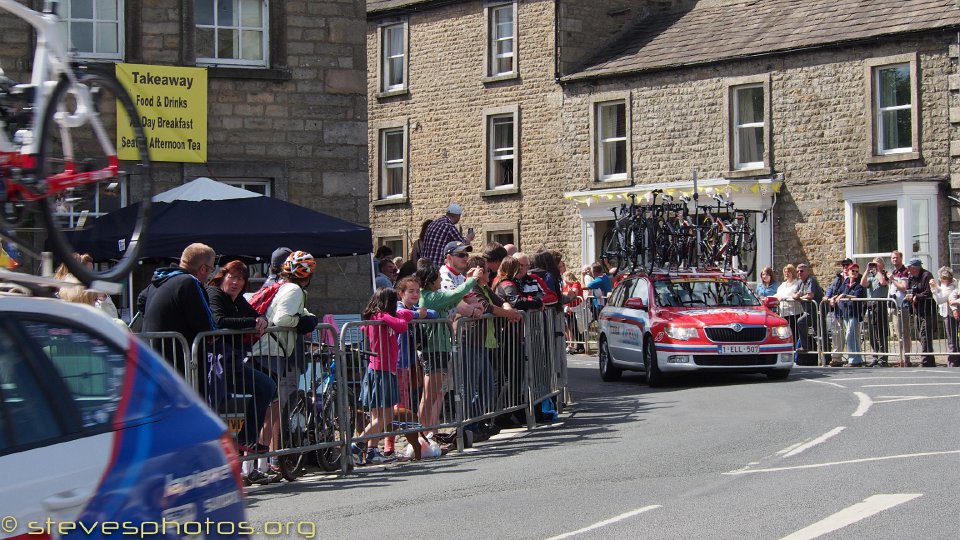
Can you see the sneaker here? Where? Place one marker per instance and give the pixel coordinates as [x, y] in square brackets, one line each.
[376, 457]
[259, 477]
[357, 453]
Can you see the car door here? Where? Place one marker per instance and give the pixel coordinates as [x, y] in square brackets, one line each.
[613, 319]
[58, 385]
[636, 321]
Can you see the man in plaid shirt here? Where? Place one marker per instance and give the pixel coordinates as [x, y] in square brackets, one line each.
[442, 231]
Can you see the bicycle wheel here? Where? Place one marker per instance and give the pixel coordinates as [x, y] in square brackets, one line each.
[75, 140]
[748, 251]
[650, 246]
[613, 249]
[328, 430]
[294, 433]
[709, 245]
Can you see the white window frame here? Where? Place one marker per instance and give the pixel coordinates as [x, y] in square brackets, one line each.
[882, 147]
[905, 194]
[731, 98]
[66, 26]
[877, 152]
[738, 125]
[385, 54]
[601, 141]
[247, 183]
[385, 165]
[492, 12]
[65, 206]
[505, 153]
[491, 159]
[264, 30]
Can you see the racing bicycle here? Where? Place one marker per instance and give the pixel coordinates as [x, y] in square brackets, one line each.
[56, 147]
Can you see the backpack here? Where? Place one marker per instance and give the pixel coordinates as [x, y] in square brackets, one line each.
[260, 301]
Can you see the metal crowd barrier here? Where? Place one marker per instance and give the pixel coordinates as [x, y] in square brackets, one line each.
[581, 325]
[492, 367]
[174, 347]
[876, 331]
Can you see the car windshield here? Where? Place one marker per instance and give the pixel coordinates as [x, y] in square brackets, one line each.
[703, 292]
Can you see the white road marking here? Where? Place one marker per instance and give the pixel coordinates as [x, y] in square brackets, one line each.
[891, 399]
[823, 382]
[913, 384]
[852, 514]
[864, 405]
[606, 522]
[892, 377]
[847, 462]
[797, 448]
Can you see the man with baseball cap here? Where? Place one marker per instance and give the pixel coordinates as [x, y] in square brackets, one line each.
[276, 263]
[919, 298]
[441, 232]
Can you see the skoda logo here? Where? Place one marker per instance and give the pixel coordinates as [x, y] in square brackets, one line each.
[737, 327]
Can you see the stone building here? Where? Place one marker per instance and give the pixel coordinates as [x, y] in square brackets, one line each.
[837, 118]
[286, 101]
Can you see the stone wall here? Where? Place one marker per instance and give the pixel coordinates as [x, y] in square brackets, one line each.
[444, 110]
[301, 123]
[819, 134]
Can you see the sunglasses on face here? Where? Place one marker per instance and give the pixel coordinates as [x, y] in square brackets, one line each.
[461, 255]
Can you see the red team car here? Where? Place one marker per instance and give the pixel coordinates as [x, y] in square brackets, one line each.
[673, 323]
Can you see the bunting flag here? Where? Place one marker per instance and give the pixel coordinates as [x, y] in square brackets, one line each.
[762, 187]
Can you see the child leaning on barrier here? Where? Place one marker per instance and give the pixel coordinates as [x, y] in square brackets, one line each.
[437, 344]
[379, 391]
[408, 289]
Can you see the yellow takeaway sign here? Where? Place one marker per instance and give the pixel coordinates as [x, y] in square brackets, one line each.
[172, 102]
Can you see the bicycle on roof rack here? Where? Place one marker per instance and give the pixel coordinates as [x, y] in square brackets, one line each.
[665, 236]
[55, 146]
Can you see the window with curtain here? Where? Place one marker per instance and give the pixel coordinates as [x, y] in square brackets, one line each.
[502, 34]
[874, 229]
[393, 44]
[894, 110]
[393, 162]
[748, 126]
[611, 132]
[502, 150]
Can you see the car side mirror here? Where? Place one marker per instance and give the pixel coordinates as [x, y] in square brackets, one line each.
[771, 302]
[635, 303]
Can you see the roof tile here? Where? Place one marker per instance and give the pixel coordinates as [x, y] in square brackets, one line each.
[717, 30]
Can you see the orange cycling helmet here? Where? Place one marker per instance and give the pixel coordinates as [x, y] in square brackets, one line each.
[299, 264]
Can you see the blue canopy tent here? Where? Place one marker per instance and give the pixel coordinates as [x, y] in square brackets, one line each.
[235, 222]
[251, 226]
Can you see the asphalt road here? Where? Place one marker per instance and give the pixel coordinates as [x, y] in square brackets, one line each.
[830, 452]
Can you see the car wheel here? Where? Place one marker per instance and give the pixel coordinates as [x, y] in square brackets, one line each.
[608, 372]
[778, 375]
[654, 375]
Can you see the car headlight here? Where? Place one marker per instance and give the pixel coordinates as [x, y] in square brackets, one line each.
[782, 332]
[681, 333]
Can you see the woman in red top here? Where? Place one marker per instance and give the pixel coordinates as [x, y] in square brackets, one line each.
[573, 291]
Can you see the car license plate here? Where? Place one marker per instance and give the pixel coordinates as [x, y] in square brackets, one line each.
[739, 349]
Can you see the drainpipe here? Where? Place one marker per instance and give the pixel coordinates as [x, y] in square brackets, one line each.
[556, 41]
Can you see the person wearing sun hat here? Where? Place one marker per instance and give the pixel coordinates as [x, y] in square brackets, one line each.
[920, 299]
[442, 231]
